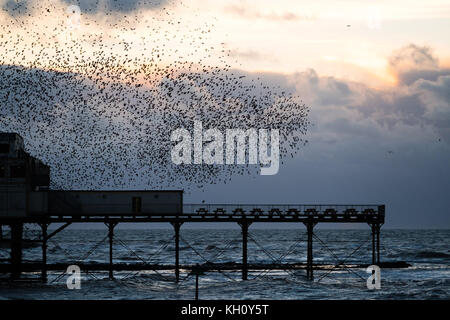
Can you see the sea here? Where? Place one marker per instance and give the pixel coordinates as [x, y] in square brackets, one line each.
[426, 251]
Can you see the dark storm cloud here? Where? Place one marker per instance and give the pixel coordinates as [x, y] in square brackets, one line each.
[437, 96]
[419, 105]
[124, 6]
[16, 8]
[325, 90]
[414, 57]
[412, 62]
[421, 99]
[411, 76]
[389, 107]
[439, 87]
[86, 6]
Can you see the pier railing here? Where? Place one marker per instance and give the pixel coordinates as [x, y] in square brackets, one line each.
[234, 212]
[286, 210]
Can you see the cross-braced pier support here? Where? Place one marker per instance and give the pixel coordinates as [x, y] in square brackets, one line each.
[244, 215]
[45, 237]
[176, 227]
[111, 226]
[244, 227]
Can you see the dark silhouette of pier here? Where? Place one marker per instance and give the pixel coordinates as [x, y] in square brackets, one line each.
[26, 198]
[243, 215]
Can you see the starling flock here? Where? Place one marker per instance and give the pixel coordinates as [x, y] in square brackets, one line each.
[98, 101]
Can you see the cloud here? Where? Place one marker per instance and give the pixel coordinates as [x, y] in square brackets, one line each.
[250, 55]
[389, 108]
[413, 57]
[123, 6]
[412, 62]
[440, 87]
[247, 12]
[424, 103]
[17, 8]
[324, 91]
[421, 99]
[411, 76]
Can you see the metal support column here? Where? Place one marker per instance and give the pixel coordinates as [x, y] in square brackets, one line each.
[176, 227]
[309, 258]
[244, 227]
[373, 227]
[16, 249]
[44, 227]
[111, 226]
[197, 271]
[378, 244]
[196, 286]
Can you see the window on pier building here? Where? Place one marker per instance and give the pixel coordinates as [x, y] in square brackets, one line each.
[136, 204]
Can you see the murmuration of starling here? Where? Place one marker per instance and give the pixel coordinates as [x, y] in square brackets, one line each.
[99, 108]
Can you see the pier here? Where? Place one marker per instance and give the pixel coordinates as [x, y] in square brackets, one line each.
[244, 215]
[26, 198]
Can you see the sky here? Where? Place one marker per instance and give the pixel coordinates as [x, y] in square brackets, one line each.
[374, 74]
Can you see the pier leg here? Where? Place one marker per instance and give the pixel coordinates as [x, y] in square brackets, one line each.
[16, 249]
[244, 226]
[196, 286]
[176, 227]
[373, 244]
[309, 259]
[1, 232]
[44, 227]
[111, 226]
[378, 244]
